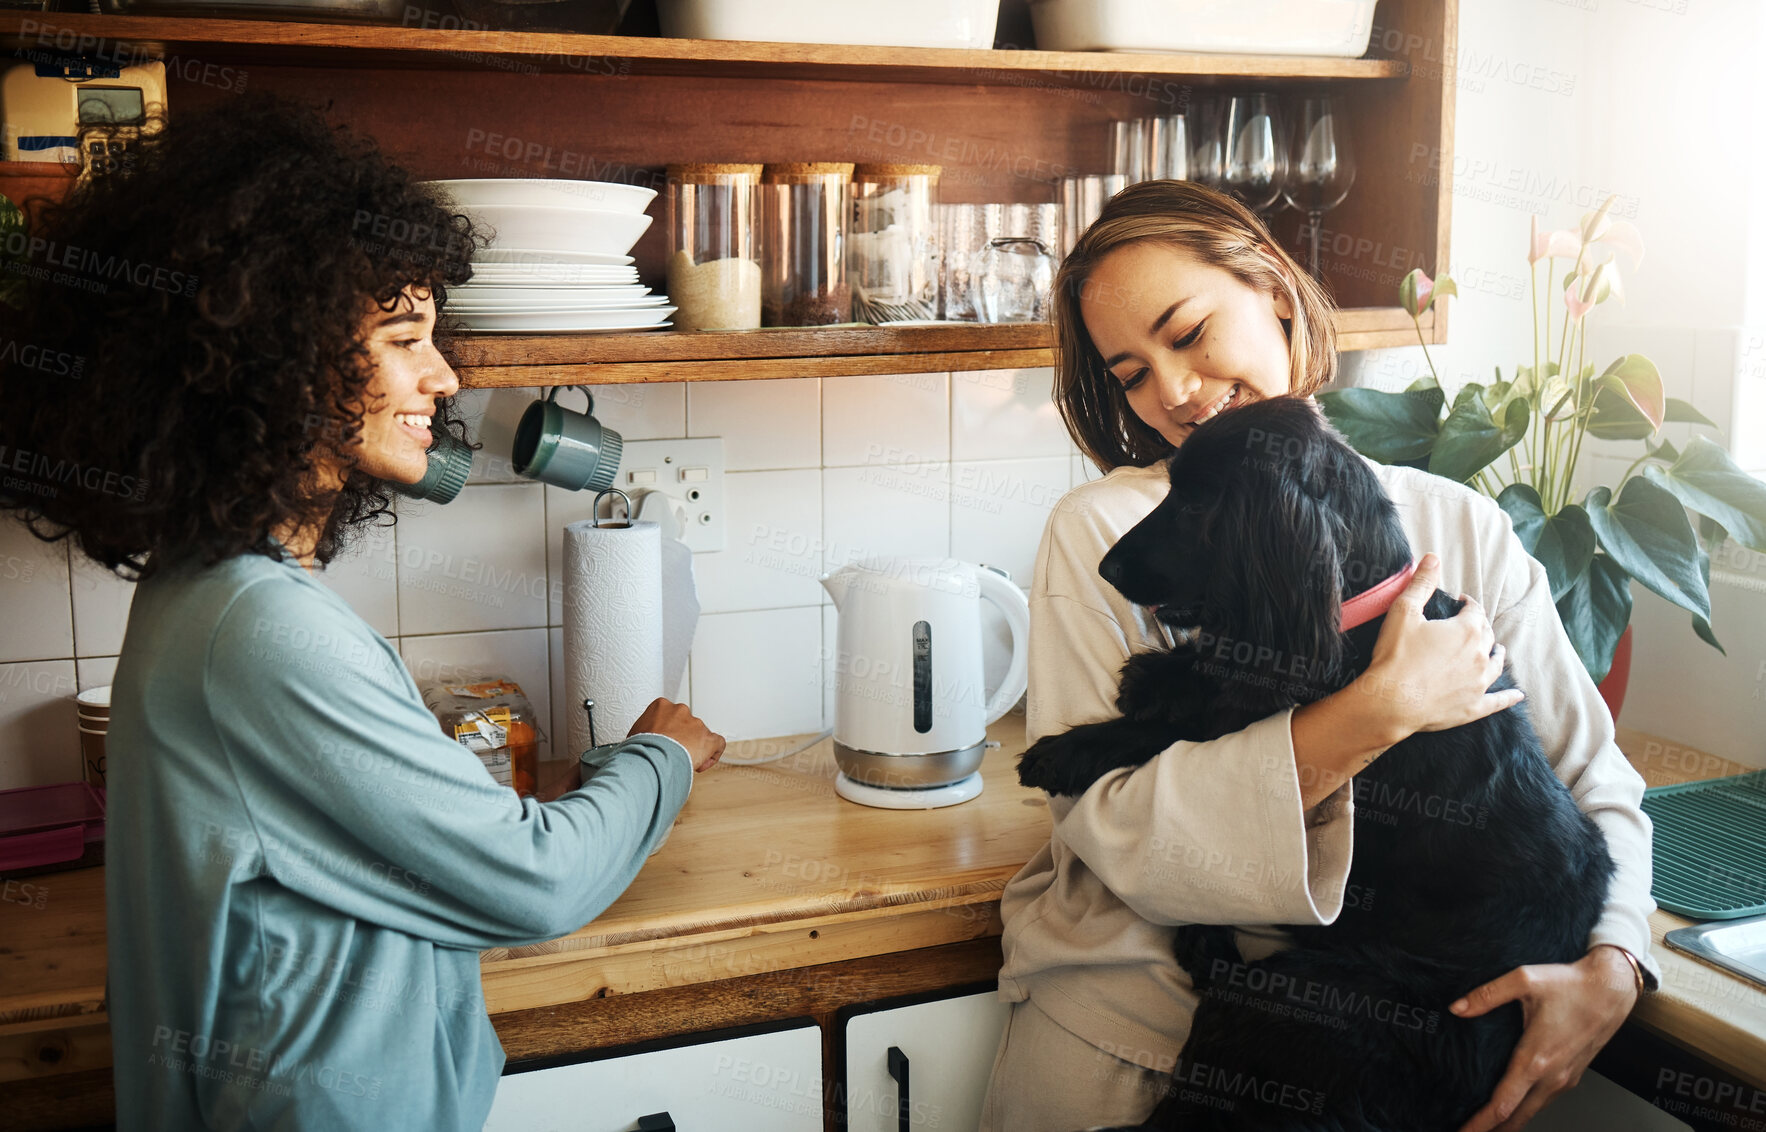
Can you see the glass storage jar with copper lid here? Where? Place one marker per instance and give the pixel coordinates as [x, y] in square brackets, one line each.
[892, 250]
[713, 246]
[804, 211]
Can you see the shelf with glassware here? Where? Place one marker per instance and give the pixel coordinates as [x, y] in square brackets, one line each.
[1010, 131]
[433, 38]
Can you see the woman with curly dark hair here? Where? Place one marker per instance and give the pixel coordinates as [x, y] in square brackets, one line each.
[302, 868]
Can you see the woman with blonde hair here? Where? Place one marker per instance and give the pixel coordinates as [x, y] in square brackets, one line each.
[1175, 306]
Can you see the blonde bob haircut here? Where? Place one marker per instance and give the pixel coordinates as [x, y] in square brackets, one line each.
[1214, 229]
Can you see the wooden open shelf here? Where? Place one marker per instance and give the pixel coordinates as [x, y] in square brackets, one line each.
[1006, 125]
[272, 42]
[500, 360]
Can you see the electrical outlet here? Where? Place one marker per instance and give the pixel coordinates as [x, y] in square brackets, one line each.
[692, 473]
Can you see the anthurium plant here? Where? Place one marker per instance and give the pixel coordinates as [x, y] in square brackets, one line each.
[1518, 440]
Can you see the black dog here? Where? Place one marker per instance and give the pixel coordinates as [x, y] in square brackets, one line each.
[1470, 857]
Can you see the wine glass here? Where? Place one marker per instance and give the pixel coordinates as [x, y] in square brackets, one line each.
[1320, 166]
[1254, 160]
[1205, 142]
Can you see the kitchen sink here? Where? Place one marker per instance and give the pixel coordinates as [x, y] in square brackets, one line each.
[1734, 945]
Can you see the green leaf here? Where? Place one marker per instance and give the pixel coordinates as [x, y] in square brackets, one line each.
[1616, 418]
[1388, 427]
[1702, 625]
[1713, 533]
[1470, 437]
[1636, 378]
[1662, 451]
[1496, 395]
[1427, 381]
[1647, 534]
[1706, 479]
[1595, 612]
[1683, 413]
[1563, 543]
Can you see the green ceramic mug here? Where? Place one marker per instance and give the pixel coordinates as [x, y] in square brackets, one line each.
[450, 462]
[564, 448]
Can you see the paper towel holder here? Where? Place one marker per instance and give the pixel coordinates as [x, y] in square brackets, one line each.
[611, 525]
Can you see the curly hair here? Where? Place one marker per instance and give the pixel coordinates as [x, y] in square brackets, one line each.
[1215, 229]
[188, 347]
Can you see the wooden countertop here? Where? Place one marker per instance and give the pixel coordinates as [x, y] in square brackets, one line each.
[767, 870]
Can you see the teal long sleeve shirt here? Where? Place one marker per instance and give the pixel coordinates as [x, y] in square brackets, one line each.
[301, 868]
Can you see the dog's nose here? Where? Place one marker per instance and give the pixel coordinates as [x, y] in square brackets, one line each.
[1111, 570]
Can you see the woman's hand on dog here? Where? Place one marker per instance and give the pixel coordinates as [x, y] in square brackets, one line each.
[1434, 674]
[1571, 1011]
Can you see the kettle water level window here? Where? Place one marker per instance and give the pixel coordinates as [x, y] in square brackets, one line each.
[922, 676]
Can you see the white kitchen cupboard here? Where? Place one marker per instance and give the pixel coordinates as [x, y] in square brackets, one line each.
[770, 1082]
[938, 1054]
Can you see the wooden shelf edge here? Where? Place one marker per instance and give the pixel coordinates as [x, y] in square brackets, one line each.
[486, 363]
[659, 54]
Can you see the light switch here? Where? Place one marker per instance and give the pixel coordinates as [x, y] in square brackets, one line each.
[643, 476]
[695, 475]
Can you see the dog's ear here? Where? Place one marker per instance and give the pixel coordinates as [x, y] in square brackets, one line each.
[1280, 550]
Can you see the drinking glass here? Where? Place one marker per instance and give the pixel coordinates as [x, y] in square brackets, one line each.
[1128, 149]
[1255, 161]
[1206, 147]
[1082, 199]
[1168, 148]
[1321, 168]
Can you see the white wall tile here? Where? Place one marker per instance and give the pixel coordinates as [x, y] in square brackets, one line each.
[39, 743]
[520, 654]
[475, 564]
[999, 508]
[772, 543]
[95, 671]
[885, 419]
[36, 605]
[765, 424]
[1005, 413]
[759, 675]
[491, 416]
[896, 511]
[101, 608]
[366, 576]
[830, 641]
[639, 412]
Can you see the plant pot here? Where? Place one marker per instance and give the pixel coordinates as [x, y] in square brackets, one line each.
[1612, 689]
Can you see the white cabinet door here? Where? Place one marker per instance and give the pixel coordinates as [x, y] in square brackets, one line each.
[948, 1046]
[764, 1083]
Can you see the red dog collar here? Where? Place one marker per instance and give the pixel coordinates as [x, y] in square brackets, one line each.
[1369, 604]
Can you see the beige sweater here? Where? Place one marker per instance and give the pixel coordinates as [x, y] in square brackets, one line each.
[1213, 832]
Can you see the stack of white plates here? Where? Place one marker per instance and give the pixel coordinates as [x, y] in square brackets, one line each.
[557, 261]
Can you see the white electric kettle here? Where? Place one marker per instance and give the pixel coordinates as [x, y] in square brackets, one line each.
[910, 708]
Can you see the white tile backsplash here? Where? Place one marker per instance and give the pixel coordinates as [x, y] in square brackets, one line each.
[897, 511]
[474, 564]
[366, 576]
[998, 509]
[36, 603]
[41, 743]
[772, 544]
[1004, 413]
[885, 419]
[519, 654]
[757, 675]
[467, 585]
[101, 608]
[765, 424]
[491, 416]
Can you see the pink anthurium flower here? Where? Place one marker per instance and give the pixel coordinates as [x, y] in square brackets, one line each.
[1579, 300]
[1561, 244]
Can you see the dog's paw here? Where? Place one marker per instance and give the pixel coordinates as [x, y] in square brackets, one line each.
[1052, 764]
[1159, 687]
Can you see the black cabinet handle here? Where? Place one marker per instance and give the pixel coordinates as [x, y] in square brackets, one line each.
[898, 1069]
[656, 1122]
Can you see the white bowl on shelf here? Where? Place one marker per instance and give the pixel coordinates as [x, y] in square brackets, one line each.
[552, 322]
[612, 304]
[550, 275]
[543, 259]
[591, 230]
[899, 23]
[1252, 27]
[610, 196]
[474, 295]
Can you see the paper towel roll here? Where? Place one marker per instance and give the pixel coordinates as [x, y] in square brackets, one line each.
[613, 625]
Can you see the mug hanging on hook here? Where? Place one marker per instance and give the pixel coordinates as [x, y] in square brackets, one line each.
[564, 448]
